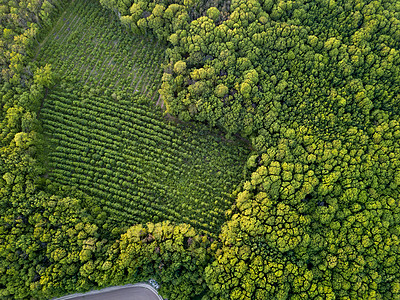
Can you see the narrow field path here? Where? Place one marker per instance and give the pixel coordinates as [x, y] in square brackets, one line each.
[160, 102]
[39, 47]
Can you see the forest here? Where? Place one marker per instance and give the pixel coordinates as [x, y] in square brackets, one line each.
[242, 149]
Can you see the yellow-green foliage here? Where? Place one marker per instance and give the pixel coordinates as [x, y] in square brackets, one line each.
[173, 254]
[335, 218]
[256, 257]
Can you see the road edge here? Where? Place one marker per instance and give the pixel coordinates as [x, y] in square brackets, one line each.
[110, 289]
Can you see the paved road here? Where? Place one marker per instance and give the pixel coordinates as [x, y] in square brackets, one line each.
[135, 293]
[127, 292]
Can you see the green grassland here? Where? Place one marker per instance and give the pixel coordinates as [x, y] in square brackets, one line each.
[89, 44]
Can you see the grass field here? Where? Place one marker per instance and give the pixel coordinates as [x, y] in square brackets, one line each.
[89, 44]
[139, 166]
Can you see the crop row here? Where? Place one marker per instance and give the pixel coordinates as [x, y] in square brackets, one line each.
[138, 166]
[135, 158]
[137, 129]
[95, 50]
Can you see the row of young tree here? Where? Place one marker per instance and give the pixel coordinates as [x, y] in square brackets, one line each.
[127, 156]
[89, 46]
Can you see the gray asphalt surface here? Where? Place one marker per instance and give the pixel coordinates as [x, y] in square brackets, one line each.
[133, 293]
[138, 291]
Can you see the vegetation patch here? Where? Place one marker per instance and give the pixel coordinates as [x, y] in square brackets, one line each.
[139, 166]
[90, 45]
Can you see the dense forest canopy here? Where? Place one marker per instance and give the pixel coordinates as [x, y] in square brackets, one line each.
[305, 96]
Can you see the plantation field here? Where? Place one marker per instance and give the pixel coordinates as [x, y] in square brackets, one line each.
[90, 45]
[140, 167]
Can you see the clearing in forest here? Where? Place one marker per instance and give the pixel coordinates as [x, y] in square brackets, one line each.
[90, 45]
[139, 166]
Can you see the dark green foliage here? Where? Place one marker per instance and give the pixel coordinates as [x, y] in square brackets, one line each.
[46, 241]
[60, 245]
[257, 257]
[318, 96]
[163, 18]
[287, 64]
[21, 24]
